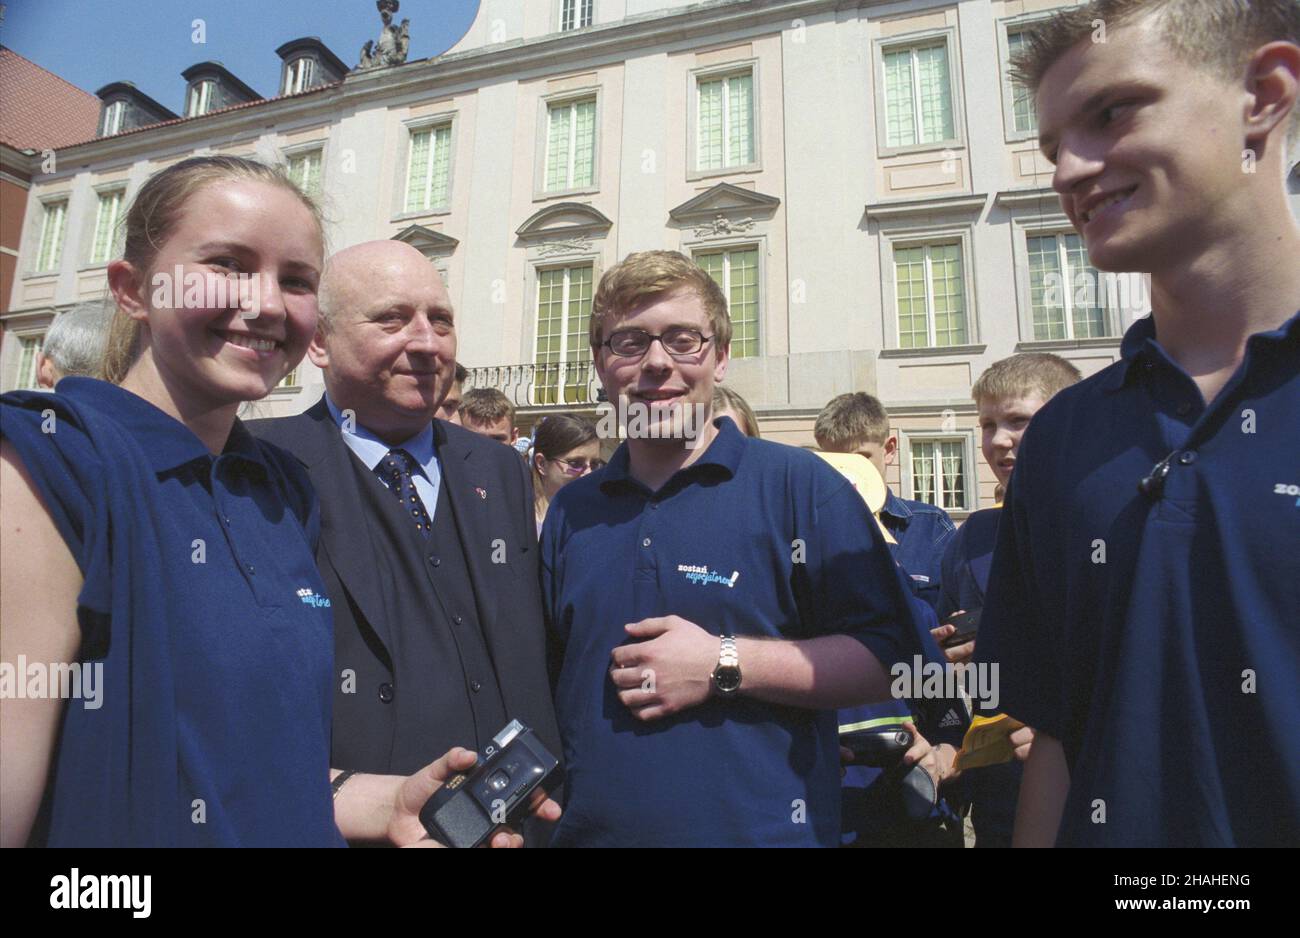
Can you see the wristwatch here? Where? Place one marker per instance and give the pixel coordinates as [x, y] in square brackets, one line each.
[726, 676]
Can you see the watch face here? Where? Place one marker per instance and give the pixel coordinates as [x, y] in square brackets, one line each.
[727, 679]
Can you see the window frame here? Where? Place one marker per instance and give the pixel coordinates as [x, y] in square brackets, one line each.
[204, 101]
[947, 36]
[563, 99]
[970, 484]
[1004, 27]
[535, 284]
[578, 6]
[713, 73]
[299, 77]
[1041, 226]
[114, 109]
[410, 128]
[299, 150]
[908, 238]
[115, 241]
[44, 205]
[759, 245]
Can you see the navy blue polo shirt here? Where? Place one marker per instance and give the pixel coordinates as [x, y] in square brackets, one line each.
[992, 790]
[922, 531]
[1157, 637]
[754, 539]
[202, 603]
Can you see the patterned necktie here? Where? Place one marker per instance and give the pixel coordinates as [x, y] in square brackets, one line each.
[395, 470]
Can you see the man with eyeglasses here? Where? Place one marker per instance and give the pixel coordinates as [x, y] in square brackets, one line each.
[711, 598]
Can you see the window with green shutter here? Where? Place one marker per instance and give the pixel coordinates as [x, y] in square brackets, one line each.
[725, 122]
[736, 271]
[305, 171]
[107, 216]
[930, 290]
[571, 145]
[428, 169]
[29, 351]
[1024, 117]
[563, 348]
[50, 251]
[1065, 292]
[918, 96]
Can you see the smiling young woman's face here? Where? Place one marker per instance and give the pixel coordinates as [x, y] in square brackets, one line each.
[266, 245]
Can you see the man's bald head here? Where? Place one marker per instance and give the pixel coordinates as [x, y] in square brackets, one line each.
[387, 340]
[350, 275]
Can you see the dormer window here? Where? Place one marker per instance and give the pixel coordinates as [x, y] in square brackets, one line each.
[114, 114]
[298, 75]
[575, 14]
[199, 101]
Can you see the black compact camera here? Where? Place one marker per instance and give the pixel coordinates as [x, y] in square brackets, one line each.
[468, 808]
[901, 790]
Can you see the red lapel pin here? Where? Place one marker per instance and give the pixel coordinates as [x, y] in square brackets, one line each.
[482, 493]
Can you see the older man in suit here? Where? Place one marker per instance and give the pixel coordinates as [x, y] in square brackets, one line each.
[427, 543]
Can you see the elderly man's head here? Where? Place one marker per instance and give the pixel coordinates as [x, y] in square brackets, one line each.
[73, 345]
[386, 342]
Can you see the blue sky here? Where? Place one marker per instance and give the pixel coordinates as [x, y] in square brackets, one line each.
[93, 42]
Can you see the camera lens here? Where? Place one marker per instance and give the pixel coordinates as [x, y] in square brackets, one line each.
[498, 780]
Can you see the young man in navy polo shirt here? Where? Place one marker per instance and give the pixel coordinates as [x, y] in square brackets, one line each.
[1145, 590]
[712, 598]
[1008, 394]
[858, 423]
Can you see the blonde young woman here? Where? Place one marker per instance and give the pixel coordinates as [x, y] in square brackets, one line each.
[154, 547]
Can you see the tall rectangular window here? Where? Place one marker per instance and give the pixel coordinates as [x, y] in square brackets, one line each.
[304, 170]
[51, 244]
[725, 122]
[1024, 117]
[571, 145]
[563, 351]
[428, 169]
[939, 473]
[736, 271]
[297, 77]
[918, 96]
[29, 350]
[1065, 290]
[930, 288]
[200, 98]
[107, 216]
[574, 14]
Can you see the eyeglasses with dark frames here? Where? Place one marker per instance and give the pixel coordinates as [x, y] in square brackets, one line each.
[679, 342]
[578, 466]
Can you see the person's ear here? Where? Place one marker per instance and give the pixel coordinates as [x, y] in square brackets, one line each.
[539, 464]
[720, 364]
[1272, 80]
[47, 376]
[129, 292]
[317, 351]
[891, 450]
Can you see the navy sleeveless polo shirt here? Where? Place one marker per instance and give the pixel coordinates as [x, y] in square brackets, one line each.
[203, 604]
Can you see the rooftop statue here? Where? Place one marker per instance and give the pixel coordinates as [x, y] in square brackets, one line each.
[393, 40]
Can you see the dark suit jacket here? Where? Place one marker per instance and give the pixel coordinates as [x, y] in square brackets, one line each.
[366, 735]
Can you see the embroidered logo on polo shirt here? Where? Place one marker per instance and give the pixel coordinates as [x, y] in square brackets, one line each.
[1281, 488]
[950, 719]
[702, 576]
[312, 598]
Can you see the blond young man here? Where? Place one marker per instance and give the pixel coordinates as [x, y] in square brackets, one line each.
[712, 598]
[1140, 605]
[858, 423]
[1008, 394]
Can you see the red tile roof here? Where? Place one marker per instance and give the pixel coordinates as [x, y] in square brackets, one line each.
[40, 110]
[225, 110]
